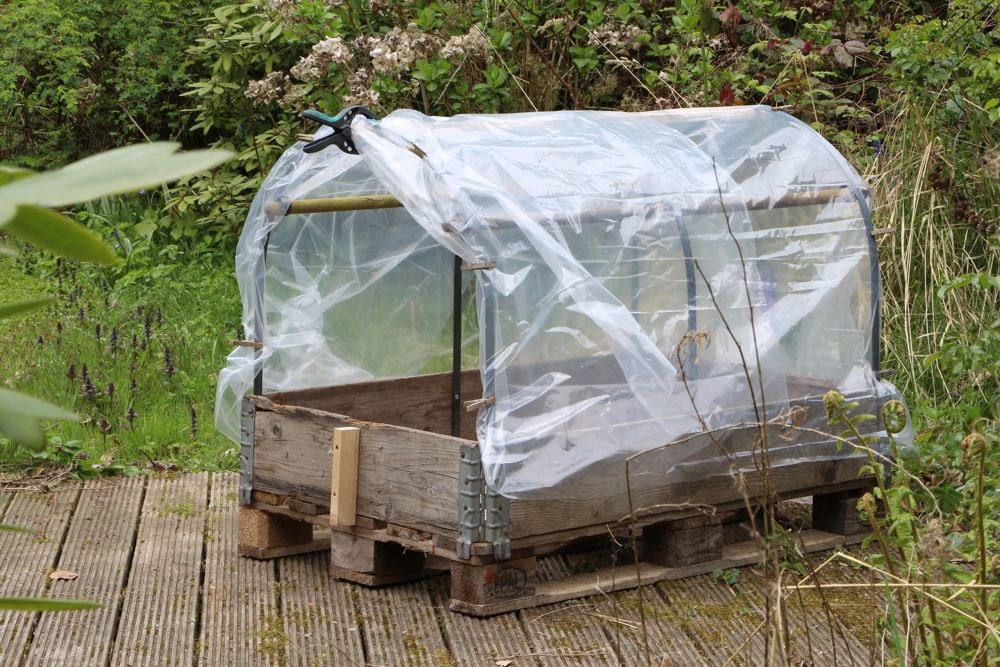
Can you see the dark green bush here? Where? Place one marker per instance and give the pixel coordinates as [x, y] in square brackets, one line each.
[79, 77]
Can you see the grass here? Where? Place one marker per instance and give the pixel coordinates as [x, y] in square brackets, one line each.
[151, 347]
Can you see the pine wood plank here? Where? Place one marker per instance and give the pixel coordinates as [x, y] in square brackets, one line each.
[400, 627]
[28, 558]
[421, 402]
[98, 547]
[319, 613]
[477, 641]
[159, 613]
[344, 487]
[240, 624]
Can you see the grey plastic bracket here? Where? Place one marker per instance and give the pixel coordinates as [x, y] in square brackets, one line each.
[246, 451]
[470, 500]
[497, 524]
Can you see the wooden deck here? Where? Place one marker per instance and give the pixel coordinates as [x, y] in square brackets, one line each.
[161, 553]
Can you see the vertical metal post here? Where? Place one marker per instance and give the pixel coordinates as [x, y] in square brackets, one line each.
[456, 352]
[260, 322]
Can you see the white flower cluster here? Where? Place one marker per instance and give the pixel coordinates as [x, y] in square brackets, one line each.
[397, 50]
[282, 7]
[992, 164]
[86, 94]
[474, 45]
[359, 81]
[267, 89]
[618, 39]
[313, 67]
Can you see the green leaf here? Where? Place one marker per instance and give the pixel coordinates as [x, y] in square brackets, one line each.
[45, 604]
[15, 529]
[8, 174]
[17, 307]
[111, 173]
[59, 235]
[12, 401]
[25, 430]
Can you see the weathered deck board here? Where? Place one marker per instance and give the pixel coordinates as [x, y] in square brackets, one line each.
[476, 641]
[400, 626]
[714, 615]
[319, 613]
[28, 558]
[158, 618]
[562, 635]
[98, 547]
[663, 643]
[240, 624]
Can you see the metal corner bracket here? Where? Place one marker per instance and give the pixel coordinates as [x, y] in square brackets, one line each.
[470, 500]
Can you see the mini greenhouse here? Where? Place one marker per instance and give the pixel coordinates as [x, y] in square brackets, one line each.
[638, 278]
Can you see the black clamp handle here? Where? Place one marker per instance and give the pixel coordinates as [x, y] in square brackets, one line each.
[341, 124]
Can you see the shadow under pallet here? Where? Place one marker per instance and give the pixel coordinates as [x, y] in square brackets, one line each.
[367, 471]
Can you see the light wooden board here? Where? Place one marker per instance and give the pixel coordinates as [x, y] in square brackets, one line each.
[400, 626]
[160, 612]
[98, 548]
[405, 476]
[320, 615]
[240, 623]
[422, 402]
[28, 558]
[473, 641]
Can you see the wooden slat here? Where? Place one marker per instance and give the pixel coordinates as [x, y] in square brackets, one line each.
[344, 487]
[600, 582]
[320, 616]
[98, 548]
[619, 615]
[539, 517]
[28, 558]
[422, 402]
[405, 476]
[400, 627]
[160, 611]
[718, 620]
[477, 641]
[240, 624]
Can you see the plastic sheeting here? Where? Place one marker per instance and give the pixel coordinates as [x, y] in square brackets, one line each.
[614, 235]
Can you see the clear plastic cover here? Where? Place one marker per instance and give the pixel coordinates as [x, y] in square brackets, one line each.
[657, 275]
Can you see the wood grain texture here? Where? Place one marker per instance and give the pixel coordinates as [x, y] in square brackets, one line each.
[400, 627]
[264, 531]
[240, 623]
[537, 517]
[600, 582]
[158, 617]
[27, 558]
[98, 547]
[421, 402]
[344, 486]
[475, 642]
[405, 476]
[619, 616]
[319, 614]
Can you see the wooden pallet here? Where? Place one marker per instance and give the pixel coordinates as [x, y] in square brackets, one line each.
[372, 463]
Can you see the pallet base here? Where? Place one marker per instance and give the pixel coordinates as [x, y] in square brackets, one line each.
[320, 542]
[625, 577]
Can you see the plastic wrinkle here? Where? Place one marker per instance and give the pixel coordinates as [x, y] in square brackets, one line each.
[647, 266]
